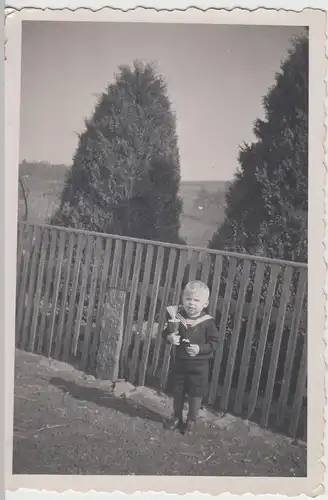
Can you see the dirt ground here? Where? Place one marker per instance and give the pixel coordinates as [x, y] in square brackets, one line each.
[68, 423]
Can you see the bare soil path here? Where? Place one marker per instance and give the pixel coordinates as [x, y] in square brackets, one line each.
[68, 423]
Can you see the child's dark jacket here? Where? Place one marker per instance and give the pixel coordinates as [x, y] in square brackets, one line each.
[201, 331]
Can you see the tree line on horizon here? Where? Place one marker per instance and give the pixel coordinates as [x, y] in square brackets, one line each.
[125, 174]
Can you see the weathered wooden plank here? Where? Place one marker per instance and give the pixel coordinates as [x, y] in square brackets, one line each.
[276, 346]
[54, 298]
[115, 270]
[235, 335]
[38, 291]
[183, 262]
[31, 288]
[20, 238]
[275, 270]
[222, 329]
[141, 312]
[19, 263]
[128, 258]
[24, 281]
[64, 295]
[91, 304]
[250, 329]
[291, 347]
[206, 267]
[131, 306]
[81, 242]
[21, 234]
[194, 261]
[215, 285]
[102, 294]
[300, 392]
[151, 315]
[162, 314]
[177, 292]
[49, 278]
[83, 287]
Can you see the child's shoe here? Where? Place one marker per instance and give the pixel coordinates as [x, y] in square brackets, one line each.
[189, 427]
[173, 424]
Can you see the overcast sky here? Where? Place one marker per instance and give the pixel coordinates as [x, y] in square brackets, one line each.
[216, 76]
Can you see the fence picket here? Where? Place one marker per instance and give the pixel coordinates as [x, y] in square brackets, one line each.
[175, 300]
[235, 336]
[194, 260]
[141, 311]
[45, 302]
[275, 270]
[91, 303]
[151, 315]
[38, 290]
[31, 288]
[216, 285]
[58, 271]
[131, 306]
[72, 302]
[115, 270]
[20, 245]
[300, 392]
[23, 284]
[222, 329]
[162, 315]
[64, 296]
[276, 347]
[83, 286]
[251, 323]
[183, 262]
[206, 267]
[291, 347]
[128, 257]
[20, 239]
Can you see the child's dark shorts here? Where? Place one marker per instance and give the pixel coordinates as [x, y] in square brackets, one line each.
[190, 376]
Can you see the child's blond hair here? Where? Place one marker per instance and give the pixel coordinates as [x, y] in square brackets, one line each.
[197, 286]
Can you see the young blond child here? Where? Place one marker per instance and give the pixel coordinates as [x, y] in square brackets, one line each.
[195, 340]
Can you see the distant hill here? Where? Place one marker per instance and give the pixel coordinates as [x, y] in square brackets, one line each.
[203, 210]
[44, 184]
[203, 202]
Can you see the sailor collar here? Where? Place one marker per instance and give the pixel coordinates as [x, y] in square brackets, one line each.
[173, 311]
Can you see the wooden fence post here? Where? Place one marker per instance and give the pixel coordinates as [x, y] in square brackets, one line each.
[111, 336]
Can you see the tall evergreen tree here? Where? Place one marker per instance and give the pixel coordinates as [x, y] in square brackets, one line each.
[125, 175]
[267, 202]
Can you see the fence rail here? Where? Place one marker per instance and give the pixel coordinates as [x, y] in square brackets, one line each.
[259, 305]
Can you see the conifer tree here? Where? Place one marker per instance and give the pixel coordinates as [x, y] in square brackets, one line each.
[125, 175]
[267, 202]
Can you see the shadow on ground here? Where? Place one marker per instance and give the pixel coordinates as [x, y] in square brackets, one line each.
[104, 399]
[66, 422]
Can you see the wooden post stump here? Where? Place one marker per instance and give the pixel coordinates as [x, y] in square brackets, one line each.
[111, 336]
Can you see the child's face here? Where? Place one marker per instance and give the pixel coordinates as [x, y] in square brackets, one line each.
[194, 302]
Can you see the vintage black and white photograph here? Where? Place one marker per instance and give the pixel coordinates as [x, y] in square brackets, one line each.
[161, 314]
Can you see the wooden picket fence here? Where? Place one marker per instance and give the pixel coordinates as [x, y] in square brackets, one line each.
[259, 304]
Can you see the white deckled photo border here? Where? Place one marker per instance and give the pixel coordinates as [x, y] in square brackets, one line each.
[312, 484]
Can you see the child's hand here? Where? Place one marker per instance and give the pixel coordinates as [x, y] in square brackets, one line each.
[192, 350]
[174, 338]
